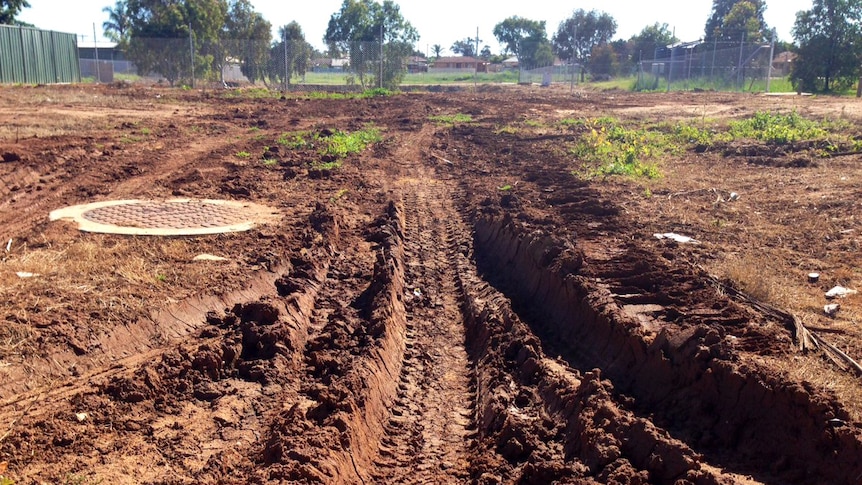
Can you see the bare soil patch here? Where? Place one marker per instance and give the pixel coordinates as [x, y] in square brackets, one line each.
[451, 305]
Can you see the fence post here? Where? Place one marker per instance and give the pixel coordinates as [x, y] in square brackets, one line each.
[739, 80]
[670, 67]
[771, 53]
[192, 51]
[96, 50]
[380, 82]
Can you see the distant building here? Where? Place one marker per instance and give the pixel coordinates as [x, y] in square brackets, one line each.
[459, 62]
[111, 60]
[417, 64]
[327, 64]
[511, 63]
[782, 63]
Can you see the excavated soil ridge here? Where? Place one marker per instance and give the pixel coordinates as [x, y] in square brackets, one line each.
[352, 378]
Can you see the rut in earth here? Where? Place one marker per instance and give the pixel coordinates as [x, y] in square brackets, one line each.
[429, 431]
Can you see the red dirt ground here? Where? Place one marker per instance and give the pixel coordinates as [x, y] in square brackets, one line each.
[407, 321]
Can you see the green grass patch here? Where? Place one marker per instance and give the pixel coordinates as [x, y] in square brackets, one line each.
[256, 92]
[336, 146]
[451, 120]
[368, 93]
[243, 154]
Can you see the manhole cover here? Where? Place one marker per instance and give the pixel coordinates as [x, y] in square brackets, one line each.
[174, 217]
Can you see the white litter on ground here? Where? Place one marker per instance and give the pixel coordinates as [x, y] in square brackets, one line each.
[840, 292]
[677, 237]
[208, 257]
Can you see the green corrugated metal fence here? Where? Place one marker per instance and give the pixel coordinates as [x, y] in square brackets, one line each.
[33, 56]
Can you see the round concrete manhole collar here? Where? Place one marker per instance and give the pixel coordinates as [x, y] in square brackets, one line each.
[172, 217]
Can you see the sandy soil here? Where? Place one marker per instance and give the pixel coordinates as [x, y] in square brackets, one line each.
[407, 321]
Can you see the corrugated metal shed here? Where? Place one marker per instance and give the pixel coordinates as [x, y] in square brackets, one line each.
[35, 56]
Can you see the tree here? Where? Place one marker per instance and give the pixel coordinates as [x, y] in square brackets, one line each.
[830, 44]
[116, 27]
[290, 55]
[466, 47]
[730, 19]
[514, 30]
[437, 49]
[247, 38]
[643, 45]
[159, 32]
[485, 53]
[360, 26]
[526, 39]
[579, 34]
[604, 62]
[9, 9]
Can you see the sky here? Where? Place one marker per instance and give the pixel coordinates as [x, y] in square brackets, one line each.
[442, 21]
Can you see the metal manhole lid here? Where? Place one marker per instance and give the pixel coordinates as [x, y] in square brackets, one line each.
[172, 217]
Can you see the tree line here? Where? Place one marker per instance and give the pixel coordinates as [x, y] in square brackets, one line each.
[827, 40]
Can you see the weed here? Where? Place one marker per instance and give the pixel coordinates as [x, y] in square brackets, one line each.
[505, 188]
[610, 149]
[451, 120]
[689, 134]
[337, 146]
[533, 123]
[341, 144]
[161, 278]
[776, 128]
[295, 141]
[146, 131]
[254, 129]
[243, 154]
[338, 196]
[507, 129]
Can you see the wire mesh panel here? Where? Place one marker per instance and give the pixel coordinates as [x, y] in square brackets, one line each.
[721, 66]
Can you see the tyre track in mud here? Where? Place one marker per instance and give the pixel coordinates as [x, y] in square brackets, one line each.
[429, 433]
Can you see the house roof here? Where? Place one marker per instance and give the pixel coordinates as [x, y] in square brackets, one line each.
[511, 60]
[461, 59]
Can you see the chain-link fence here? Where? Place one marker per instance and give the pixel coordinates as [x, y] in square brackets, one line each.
[295, 65]
[721, 66]
[280, 65]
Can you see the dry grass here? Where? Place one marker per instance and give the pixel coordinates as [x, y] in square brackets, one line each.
[761, 276]
[99, 279]
[822, 376]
